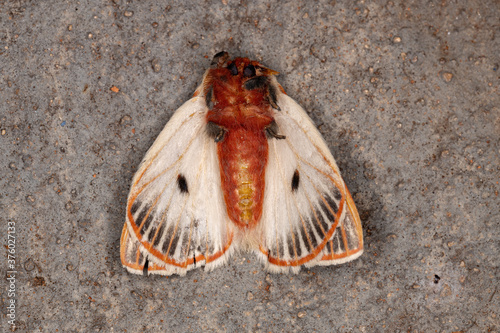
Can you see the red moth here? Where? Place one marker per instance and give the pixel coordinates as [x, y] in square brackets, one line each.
[239, 166]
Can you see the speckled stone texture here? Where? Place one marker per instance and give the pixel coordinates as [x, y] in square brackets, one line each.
[406, 93]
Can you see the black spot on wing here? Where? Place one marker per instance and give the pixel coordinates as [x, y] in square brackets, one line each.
[333, 205]
[256, 82]
[295, 180]
[182, 184]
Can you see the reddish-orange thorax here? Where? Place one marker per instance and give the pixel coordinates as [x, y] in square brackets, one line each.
[243, 152]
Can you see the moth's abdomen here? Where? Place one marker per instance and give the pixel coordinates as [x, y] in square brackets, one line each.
[243, 157]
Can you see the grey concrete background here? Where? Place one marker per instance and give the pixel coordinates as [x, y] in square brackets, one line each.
[406, 94]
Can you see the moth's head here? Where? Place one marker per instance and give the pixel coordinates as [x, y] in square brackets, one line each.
[243, 67]
[238, 75]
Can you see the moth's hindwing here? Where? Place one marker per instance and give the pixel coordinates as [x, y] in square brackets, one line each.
[176, 218]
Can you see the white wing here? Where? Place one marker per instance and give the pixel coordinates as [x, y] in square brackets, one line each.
[176, 217]
[308, 217]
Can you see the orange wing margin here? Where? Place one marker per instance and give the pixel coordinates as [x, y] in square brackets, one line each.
[347, 242]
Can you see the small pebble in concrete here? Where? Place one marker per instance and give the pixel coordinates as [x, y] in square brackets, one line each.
[447, 76]
[29, 265]
[125, 119]
[155, 64]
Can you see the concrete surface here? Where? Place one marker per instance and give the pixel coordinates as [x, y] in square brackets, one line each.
[406, 94]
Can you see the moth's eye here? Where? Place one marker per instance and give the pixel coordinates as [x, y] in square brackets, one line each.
[232, 68]
[249, 71]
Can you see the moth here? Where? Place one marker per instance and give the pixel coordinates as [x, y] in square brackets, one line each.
[239, 166]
